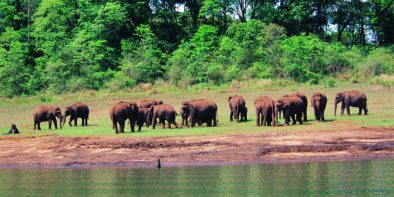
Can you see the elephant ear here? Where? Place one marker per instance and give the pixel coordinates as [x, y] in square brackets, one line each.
[229, 98]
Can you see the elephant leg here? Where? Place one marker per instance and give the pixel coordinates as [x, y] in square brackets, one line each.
[264, 117]
[154, 123]
[115, 125]
[365, 110]
[35, 125]
[70, 121]
[299, 118]
[50, 124]
[231, 115]
[75, 121]
[174, 122]
[359, 110]
[287, 119]
[132, 125]
[348, 110]
[163, 124]
[39, 125]
[169, 124]
[293, 119]
[316, 113]
[121, 126]
[322, 115]
[55, 122]
[257, 119]
[237, 115]
[342, 108]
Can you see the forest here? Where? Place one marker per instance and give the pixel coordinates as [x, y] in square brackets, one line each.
[64, 46]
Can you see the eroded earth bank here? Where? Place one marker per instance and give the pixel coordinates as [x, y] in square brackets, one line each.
[52, 150]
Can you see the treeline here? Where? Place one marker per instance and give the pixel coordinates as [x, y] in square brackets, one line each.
[71, 45]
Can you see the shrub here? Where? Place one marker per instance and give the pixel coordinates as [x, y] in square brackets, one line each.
[330, 82]
[379, 61]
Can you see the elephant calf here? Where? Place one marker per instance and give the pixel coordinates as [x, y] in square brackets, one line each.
[318, 103]
[164, 112]
[351, 99]
[75, 111]
[265, 111]
[47, 113]
[292, 106]
[237, 108]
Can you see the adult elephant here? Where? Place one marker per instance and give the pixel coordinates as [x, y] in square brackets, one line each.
[202, 111]
[185, 110]
[318, 103]
[164, 112]
[351, 99]
[75, 111]
[237, 108]
[292, 107]
[265, 111]
[304, 105]
[147, 103]
[122, 111]
[144, 116]
[47, 113]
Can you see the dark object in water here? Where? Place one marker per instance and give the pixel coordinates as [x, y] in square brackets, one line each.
[13, 130]
[158, 164]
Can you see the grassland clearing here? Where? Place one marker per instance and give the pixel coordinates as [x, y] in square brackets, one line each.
[376, 127]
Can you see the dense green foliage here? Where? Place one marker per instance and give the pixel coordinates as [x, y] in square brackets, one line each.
[71, 45]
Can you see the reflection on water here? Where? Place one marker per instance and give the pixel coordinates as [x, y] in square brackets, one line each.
[354, 178]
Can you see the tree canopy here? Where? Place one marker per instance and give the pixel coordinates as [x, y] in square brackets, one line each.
[71, 45]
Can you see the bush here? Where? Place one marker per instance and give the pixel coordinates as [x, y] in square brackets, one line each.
[379, 61]
[330, 82]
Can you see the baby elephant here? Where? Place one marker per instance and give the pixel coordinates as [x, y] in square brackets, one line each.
[164, 112]
[47, 113]
[75, 111]
[319, 102]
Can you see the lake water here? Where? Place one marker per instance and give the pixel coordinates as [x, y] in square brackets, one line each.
[352, 178]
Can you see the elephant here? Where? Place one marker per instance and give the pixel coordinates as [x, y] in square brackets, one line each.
[318, 103]
[185, 111]
[351, 99]
[75, 111]
[305, 104]
[122, 111]
[265, 111]
[147, 103]
[144, 116]
[292, 106]
[14, 130]
[47, 113]
[202, 111]
[164, 112]
[237, 108]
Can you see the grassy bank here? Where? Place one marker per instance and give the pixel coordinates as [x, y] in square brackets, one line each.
[380, 105]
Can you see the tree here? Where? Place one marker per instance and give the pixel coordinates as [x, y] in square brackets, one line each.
[14, 74]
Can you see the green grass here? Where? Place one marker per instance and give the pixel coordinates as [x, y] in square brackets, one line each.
[380, 105]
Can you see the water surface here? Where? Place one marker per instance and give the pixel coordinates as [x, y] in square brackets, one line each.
[352, 178]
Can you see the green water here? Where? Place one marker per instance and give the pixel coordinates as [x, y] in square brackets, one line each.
[353, 178]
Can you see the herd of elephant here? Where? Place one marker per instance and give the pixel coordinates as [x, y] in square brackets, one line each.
[204, 111]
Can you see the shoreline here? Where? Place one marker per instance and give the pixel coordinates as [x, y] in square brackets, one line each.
[388, 156]
[53, 151]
